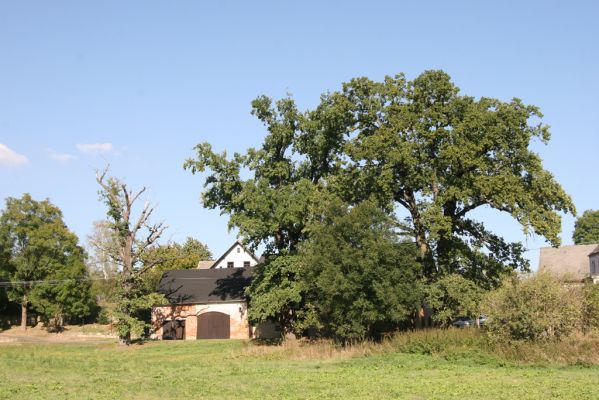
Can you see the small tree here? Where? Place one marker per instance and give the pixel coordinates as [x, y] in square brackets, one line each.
[453, 296]
[135, 237]
[533, 308]
[586, 228]
[361, 280]
[277, 292]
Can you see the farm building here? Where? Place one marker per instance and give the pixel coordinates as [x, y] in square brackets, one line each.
[208, 302]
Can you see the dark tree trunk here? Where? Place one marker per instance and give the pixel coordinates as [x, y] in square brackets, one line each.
[408, 200]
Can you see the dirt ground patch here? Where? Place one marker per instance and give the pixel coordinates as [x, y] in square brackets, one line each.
[71, 334]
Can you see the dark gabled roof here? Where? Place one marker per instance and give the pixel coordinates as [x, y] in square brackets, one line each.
[237, 243]
[192, 286]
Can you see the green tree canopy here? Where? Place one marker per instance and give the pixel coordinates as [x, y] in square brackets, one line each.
[586, 228]
[45, 264]
[418, 147]
[440, 155]
[172, 256]
[361, 280]
[5, 272]
[352, 279]
[277, 292]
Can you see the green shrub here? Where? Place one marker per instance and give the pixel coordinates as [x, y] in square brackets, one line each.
[535, 308]
[453, 296]
[591, 307]
[103, 317]
[361, 281]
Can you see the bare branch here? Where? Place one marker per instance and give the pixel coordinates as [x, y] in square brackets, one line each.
[143, 217]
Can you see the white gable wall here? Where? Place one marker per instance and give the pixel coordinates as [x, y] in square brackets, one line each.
[237, 256]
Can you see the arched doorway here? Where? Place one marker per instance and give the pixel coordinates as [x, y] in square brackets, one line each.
[214, 325]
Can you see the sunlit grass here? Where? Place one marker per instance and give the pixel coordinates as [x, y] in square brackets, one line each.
[426, 364]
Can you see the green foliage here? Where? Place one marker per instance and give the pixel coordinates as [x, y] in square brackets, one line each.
[131, 312]
[360, 280]
[192, 252]
[276, 292]
[453, 296]
[5, 270]
[172, 256]
[416, 146]
[440, 155]
[591, 306]
[536, 308]
[66, 293]
[271, 208]
[45, 261]
[586, 228]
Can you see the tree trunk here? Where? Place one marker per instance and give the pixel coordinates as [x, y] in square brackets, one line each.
[24, 314]
[125, 340]
[424, 255]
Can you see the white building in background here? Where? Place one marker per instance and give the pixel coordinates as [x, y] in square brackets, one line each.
[237, 256]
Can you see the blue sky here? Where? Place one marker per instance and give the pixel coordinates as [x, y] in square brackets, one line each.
[143, 82]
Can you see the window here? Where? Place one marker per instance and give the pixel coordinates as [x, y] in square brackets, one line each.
[230, 264]
[593, 267]
[246, 264]
[239, 249]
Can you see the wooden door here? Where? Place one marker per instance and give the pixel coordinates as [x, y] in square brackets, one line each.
[214, 325]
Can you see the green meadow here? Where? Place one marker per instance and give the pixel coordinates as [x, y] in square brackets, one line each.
[242, 370]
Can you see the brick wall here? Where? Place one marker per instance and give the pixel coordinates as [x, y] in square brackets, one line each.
[236, 311]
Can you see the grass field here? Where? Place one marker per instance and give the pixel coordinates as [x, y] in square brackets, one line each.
[235, 369]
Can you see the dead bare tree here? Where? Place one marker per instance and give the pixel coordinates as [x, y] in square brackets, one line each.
[135, 237]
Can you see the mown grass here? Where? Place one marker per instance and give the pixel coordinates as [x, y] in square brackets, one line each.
[405, 367]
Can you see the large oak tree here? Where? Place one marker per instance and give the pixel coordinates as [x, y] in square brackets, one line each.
[415, 145]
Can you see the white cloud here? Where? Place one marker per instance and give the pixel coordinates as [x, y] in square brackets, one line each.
[60, 157]
[11, 159]
[95, 148]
